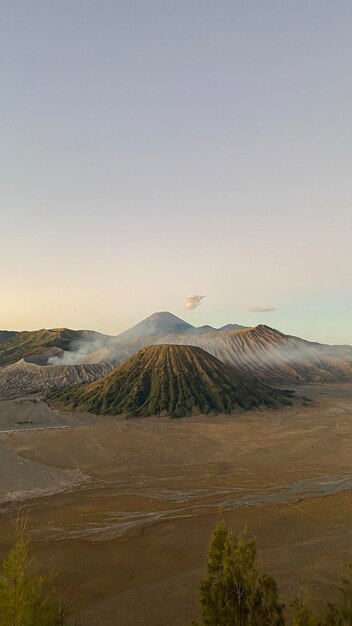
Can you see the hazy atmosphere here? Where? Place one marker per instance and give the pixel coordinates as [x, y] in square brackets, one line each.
[175, 312]
[153, 152]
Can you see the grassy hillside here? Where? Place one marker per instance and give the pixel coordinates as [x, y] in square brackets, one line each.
[7, 335]
[171, 380]
[22, 344]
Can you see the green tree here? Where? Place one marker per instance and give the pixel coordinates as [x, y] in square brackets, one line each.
[212, 588]
[232, 592]
[340, 614]
[266, 607]
[304, 613]
[26, 598]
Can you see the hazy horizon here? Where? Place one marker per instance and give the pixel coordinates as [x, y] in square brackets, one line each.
[153, 151]
[182, 317]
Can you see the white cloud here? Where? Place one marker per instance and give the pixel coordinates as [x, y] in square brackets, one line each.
[193, 301]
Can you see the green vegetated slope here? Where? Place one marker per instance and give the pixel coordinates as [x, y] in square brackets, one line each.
[24, 343]
[171, 380]
[7, 335]
[18, 345]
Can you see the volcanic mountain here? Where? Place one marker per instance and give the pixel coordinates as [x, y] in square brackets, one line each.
[32, 361]
[259, 351]
[171, 380]
[27, 358]
[26, 376]
[274, 357]
[18, 345]
[155, 325]
[87, 346]
[164, 323]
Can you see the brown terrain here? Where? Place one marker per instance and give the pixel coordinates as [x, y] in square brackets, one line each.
[124, 508]
[26, 376]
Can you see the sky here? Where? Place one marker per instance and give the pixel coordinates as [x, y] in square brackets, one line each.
[150, 151]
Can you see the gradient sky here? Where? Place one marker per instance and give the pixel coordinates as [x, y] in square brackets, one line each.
[152, 150]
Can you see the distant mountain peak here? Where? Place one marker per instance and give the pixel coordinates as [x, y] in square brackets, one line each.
[268, 329]
[232, 327]
[165, 317]
[166, 323]
[159, 323]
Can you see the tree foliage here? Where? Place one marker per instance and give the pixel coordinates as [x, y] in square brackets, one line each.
[26, 597]
[304, 612]
[232, 591]
[340, 614]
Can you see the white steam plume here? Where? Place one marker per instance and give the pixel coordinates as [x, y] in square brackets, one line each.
[93, 348]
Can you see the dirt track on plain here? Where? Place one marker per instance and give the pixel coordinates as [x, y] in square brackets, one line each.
[130, 538]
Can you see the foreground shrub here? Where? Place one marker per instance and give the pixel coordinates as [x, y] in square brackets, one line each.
[234, 593]
[340, 614]
[27, 598]
[304, 612]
